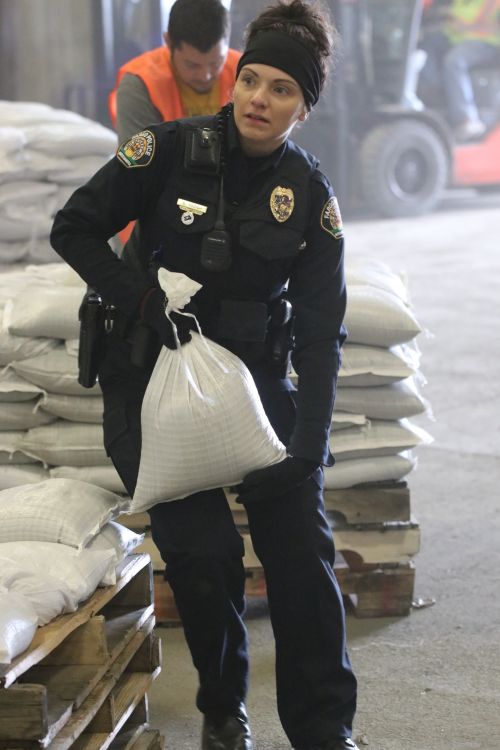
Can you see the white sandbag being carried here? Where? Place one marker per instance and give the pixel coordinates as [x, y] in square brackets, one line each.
[203, 424]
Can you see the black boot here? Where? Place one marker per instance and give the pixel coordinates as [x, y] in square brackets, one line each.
[227, 732]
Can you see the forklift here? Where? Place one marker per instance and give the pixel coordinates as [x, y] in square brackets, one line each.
[385, 150]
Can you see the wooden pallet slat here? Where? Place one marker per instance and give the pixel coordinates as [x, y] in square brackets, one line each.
[85, 679]
[373, 530]
[23, 712]
[86, 645]
[50, 636]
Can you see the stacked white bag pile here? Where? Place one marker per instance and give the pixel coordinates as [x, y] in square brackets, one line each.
[45, 154]
[58, 543]
[378, 392]
[49, 424]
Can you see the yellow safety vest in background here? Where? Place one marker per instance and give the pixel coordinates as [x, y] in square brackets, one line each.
[474, 19]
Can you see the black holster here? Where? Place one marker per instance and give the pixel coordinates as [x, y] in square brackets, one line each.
[280, 336]
[92, 315]
[258, 333]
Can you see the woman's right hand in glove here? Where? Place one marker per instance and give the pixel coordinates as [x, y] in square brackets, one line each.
[152, 312]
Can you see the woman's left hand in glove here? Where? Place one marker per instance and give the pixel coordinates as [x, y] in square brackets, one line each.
[273, 481]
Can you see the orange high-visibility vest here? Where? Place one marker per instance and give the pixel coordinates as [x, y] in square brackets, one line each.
[154, 69]
[474, 19]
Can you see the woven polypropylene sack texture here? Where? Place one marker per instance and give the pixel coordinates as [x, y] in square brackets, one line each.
[203, 425]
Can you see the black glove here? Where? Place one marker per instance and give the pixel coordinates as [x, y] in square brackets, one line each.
[153, 314]
[275, 480]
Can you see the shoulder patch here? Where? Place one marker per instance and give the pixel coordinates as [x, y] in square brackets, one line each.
[331, 220]
[138, 151]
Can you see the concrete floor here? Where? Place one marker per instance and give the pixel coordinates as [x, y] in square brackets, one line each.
[429, 681]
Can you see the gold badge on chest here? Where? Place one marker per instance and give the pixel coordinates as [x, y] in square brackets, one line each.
[282, 202]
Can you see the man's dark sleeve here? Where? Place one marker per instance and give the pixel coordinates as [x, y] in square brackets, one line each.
[318, 295]
[95, 212]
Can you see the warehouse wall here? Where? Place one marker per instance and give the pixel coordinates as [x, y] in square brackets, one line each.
[44, 49]
[66, 53]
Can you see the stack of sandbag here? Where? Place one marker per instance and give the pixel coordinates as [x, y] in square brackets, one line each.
[58, 543]
[373, 437]
[49, 424]
[54, 425]
[45, 154]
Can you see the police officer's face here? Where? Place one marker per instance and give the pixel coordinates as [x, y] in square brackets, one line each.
[199, 70]
[267, 104]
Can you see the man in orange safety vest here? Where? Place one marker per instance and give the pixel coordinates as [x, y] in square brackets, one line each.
[192, 75]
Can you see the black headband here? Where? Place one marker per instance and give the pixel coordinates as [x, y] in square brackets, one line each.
[279, 50]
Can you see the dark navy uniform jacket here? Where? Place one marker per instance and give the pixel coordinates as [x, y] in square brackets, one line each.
[301, 250]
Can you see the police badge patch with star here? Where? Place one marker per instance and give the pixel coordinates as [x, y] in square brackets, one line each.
[331, 220]
[138, 151]
[282, 203]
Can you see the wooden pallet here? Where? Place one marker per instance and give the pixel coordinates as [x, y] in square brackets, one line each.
[380, 502]
[83, 682]
[372, 591]
[375, 539]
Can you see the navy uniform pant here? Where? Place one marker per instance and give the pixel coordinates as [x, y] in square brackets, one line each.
[202, 550]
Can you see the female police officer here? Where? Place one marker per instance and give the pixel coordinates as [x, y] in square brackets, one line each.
[235, 205]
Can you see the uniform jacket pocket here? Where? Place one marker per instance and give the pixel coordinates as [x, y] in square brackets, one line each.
[271, 241]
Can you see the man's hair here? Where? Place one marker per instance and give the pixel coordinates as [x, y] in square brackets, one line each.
[200, 23]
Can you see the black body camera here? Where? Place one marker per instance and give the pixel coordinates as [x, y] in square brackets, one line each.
[203, 148]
